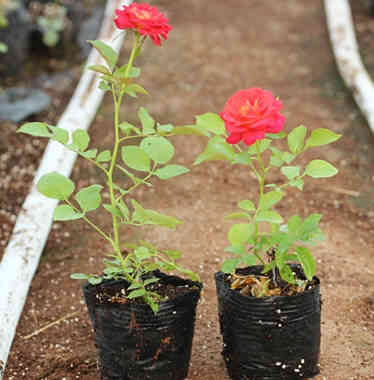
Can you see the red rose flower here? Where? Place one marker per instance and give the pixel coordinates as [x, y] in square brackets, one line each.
[250, 114]
[147, 20]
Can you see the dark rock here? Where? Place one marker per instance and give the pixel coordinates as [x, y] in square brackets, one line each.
[15, 36]
[18, 103]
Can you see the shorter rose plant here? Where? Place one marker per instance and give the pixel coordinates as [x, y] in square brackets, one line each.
[138, 153]
[253, 117]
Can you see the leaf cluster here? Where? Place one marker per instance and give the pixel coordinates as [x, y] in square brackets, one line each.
[249, 244]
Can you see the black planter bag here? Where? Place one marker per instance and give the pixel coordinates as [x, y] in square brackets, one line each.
[271, 338]
[134, 343]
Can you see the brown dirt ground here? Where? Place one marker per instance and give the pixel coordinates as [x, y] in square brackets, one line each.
[214, 50]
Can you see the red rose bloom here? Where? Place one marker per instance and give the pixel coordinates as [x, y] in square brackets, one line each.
[250, 114]
[147, 20]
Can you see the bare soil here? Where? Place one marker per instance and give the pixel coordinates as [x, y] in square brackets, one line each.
[214, 49]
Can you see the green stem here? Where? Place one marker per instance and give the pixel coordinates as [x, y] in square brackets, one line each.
[261, 181]
[117, 99]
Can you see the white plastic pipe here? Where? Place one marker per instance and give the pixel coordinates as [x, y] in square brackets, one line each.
[21, 257]
[347, 56]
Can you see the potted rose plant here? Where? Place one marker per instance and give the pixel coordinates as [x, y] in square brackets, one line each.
[143, 318]
[268, 294]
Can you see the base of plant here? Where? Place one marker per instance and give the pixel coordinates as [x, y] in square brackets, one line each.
[269, 284]
[133, 342]
[269, 338]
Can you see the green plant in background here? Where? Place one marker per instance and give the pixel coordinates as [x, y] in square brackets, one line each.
[5, 7]
[264, 237]
[139, 153]
[52, 23]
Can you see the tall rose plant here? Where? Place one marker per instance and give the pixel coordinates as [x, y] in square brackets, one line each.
[139, 152]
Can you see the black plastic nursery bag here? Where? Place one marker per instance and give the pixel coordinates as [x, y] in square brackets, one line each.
[134, 343]
[270, 338]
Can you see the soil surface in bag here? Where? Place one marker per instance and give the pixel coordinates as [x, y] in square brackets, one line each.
[270, 338]
[134, 343]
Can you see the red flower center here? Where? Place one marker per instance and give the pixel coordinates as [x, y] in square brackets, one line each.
[141, 14]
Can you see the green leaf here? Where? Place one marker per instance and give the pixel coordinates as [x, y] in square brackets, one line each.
[145, 216]
[113, 210]
[148, 123]
[311, 223]
[105, 86]
[307, 261]
[136, 158]
[55, 185]
[217, 149]
[287, 157]
[35, 129]
[134, 72]
[189, 130]
[158, 148]
[136, 293]
[162, 220]
[135, 285]
[99, 69]
[287, 274]
[79, 276]
[133, 89]
[89, 153]
[269, 266]
[3, 48]
[81, 139]
[50, 38]
[276, 136]
[290, 171]
[240, 233]
[170, 171]
[65, 212]
[126, 128]
[95, 280]
[269, 199]
[242, 158]
[211, 122]
[165, 128]
[124, 209]
[247, 205]
[89, 198]
[59, 134]
[236, 249]
[104, 156]
[142, 253]
[150, 281]
[140, 214]
[106, 52]
[276, 161]
[296, 139]
[320, 169]
[298, 183]
[294, 225]
[262, 145]
[321, 136]
[229, 265]
[269, 216]
[249, 260]
[237, 215]
[173, 254]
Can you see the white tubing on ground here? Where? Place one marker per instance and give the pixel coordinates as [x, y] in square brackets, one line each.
[347, 56]
[21, 256]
